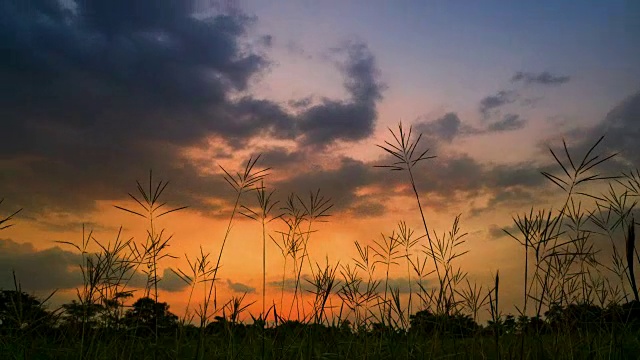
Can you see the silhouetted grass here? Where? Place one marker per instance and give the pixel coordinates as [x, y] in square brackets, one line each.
[576, 302]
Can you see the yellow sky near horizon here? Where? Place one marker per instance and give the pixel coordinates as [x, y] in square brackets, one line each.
[333, 241]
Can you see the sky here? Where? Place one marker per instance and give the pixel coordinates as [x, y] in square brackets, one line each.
[95, 93]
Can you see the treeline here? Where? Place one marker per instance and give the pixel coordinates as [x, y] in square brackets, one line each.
[24, 313]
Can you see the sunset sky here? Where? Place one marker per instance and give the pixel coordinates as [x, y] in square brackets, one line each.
[95, 93]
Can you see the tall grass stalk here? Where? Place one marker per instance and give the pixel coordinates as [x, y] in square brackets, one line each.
[407, 240]
[291, 239]
[387, 253]
[241, 183]
[265, 205]
[314, 211]
[403, 150]
[631, 243]
[155, 246]
[562, 255]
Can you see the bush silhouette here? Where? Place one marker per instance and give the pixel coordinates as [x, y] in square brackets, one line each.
[426, 323]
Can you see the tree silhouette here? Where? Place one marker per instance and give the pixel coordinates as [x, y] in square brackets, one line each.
[76, 314]
[19, 310]
[145, 312]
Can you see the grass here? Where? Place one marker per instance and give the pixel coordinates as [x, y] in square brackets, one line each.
[580, 297]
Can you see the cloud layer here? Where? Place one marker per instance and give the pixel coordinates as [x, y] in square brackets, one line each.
[96, 95]
[542, 78]
[57, 269]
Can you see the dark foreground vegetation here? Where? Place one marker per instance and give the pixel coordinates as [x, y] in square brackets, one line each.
[580, 298]
[575, 331]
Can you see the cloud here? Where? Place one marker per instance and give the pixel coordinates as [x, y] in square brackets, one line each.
[621, 129]
[445, 128]
[542, 78]
[124, 69]
[493, 102]
[368, 208]
[301, 103]
[38, 270]
[514, 196]
[57, 269]
[508, 123]
[402, 284]
[171, 282]
[296, 49]
[290, 284]
[496, 232]
[250, 115]
[95, 96]
[451, 177]
[96, 90]
[352, 119]
[339, 184]
[266, 40]
[449, 126]
[57, 226]
[279, 157]
[240, 287]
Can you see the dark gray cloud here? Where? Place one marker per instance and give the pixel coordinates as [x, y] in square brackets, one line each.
[301, 103]
[38, 270]
[170, 281]
[445, 128]
[339, 184]
[449, 126]
[289, 284]
[542, 78]
[54, 268]
[63, 222]
[266, 40]
[240, 287]
[123, 69]
[249, 115]
[400, 283]
[530, 102]
[368, 208]
[352, 119]
[512, 197]
[497, 232]
[508, 123]
[281, 158]
[620, 128]
[444, 180]
[97, 96]
[444, 177]
[493, 102]
[525, 174]
[93, 98]
[332, 120]
[490, 105]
